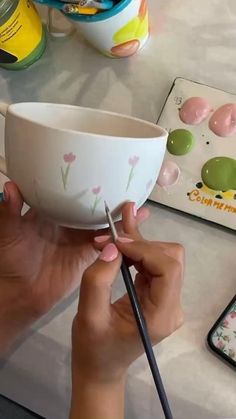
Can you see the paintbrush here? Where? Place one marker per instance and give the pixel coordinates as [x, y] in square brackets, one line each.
[94, 4]
[141, 323]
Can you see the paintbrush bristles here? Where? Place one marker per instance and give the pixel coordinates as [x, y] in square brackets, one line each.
[106, 207]
[111, 222]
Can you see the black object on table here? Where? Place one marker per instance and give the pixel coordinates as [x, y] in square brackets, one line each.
[10, 410]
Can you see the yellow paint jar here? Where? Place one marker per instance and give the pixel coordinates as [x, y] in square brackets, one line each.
[22, 35]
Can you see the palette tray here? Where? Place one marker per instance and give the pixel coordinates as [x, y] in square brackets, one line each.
[190, 194]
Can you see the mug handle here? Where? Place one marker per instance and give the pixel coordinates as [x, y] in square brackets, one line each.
[3, 165]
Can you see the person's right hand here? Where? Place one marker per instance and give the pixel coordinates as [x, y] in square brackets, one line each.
[105, 338]
[105, 335]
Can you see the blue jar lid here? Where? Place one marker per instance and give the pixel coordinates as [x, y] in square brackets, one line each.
[100, 16]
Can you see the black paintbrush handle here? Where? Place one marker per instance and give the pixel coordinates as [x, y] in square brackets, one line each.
[141, 323]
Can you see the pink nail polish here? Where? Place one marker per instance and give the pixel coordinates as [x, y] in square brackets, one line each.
[102, 239]
[124, 240]
[109, 253]
[135, 210]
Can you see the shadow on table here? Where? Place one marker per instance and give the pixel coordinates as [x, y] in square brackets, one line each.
[59, 309]
[38, 376]
[142, 403]
[71, 71]
[56, 311]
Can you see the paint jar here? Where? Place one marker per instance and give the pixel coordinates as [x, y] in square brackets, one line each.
[118, 32]
[22, 35]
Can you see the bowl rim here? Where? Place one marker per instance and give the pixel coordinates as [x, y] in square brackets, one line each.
[160, 132]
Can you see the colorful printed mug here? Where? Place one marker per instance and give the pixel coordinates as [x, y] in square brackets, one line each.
[119, 32]
[67, 160]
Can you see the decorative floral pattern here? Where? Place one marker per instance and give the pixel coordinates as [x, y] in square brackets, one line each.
[68, 159]
[224, 338]
[127, 39]
[96, 191]
[133, 161]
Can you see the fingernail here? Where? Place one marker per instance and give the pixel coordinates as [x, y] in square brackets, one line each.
[102, 239]
[109, 253]
[5, 194]
[124, 240]
[135, 210]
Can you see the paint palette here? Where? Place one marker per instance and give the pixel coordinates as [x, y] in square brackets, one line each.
[198, 175]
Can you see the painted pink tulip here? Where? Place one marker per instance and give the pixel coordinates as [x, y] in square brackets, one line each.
[96, 190]
[133, 161]
[233, 315]
[69, 158]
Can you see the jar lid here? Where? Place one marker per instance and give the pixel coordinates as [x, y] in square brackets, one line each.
[5, 6]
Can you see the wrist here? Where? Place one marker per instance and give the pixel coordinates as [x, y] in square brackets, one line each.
[94, 365]
[97, 399]
[92, 382]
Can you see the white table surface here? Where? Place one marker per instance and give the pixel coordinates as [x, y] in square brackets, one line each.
[192, 39]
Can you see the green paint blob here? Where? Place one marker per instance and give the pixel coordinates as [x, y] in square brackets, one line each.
[180, 142]
[219, 173]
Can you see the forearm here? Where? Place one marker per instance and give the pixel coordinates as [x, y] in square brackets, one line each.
[97, 401]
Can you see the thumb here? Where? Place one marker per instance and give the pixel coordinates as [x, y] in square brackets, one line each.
[12, 200]
[95, 290]
[10, 213]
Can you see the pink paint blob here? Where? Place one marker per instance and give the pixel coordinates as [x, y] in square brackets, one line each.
[223, 120]
[194, 110]
[169, 174]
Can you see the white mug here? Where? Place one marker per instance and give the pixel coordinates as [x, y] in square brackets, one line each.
[66, 160]
[119, 32]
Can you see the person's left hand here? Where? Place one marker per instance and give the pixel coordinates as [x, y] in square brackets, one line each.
[40, 262]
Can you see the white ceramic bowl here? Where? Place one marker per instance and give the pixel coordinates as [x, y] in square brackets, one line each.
[66, 160]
